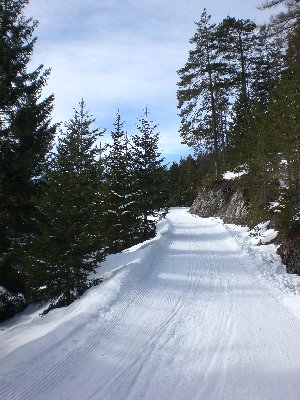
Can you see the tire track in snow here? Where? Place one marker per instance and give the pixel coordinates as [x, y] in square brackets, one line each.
[162, 335]
[193, 306]
[56, 370]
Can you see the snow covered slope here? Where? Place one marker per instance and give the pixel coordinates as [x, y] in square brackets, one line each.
[188, 315]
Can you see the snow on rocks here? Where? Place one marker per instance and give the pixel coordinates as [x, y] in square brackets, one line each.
[230, 175]
[10, 303]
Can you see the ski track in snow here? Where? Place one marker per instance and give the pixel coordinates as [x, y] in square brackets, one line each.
[191, 320]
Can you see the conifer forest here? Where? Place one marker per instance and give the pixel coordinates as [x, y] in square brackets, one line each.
[67, 199]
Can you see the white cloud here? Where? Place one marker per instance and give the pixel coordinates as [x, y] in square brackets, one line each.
[121, 54]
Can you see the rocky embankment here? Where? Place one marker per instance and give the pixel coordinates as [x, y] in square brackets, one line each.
[289, 252]
[225, 200]
[10, 304]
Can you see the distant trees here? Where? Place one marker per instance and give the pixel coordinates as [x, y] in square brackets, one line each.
[186, 177]
[26, 136]
[148, 177]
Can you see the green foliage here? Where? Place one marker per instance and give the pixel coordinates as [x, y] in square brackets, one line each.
[200, 80]
[285, 112]
[71, 239]
[270, 146]
[255, 97]
[120, 197]
[185, 179]
[26, 136]
[149, 184]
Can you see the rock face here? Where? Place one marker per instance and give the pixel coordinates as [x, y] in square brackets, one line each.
[222, 200]
[289, 252]
[10, 304]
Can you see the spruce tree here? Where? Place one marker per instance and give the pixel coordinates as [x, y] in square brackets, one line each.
[71, 239]
[150, 189]
[120, 198]
[26, 136]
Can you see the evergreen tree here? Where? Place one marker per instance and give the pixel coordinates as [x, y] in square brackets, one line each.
[149, 181]
[120, 199]
[26, 136]
[267, 60]
[270, 147]
[184, 185]
[71, 239]
[285, 125]
[236, 40]
[171, 179]
[185, 178]
[200, 80]
[237, 44]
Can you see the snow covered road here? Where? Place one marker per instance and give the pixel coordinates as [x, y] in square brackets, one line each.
[187, 318]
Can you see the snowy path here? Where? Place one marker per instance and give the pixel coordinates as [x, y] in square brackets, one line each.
[191, 320]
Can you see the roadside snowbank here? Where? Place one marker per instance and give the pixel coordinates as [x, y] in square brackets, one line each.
[29, 326]
[256, 242]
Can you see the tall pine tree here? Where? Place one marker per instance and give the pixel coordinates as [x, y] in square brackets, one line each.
[201, 80]
[26, 136]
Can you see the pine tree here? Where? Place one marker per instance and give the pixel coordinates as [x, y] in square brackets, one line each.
[200, 80]
[267, 60]
[26, 136]
[285, 126]
[236, 46]
[270, 147]
[150, 188]
[71, 240]
[120, 199]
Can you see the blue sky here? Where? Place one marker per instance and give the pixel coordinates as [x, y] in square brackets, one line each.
[123, 54]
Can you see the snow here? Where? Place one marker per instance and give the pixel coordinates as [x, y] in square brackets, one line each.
[229, 175]
[199, 312]
[256, 243]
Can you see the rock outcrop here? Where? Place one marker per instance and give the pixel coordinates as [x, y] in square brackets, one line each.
[10, 304]
[224, 200]
[289, 252]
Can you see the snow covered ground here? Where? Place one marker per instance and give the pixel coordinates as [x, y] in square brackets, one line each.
[199, 312]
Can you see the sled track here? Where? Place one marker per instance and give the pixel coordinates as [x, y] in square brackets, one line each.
[192, 320]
